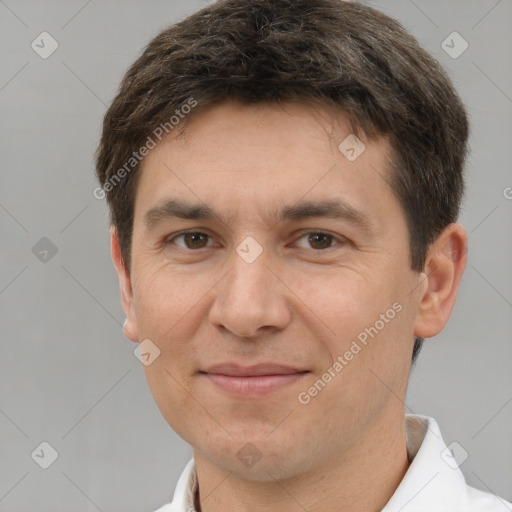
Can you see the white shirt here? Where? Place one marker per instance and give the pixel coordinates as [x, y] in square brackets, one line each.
[433, 482]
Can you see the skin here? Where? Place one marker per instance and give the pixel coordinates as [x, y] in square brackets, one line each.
[298, 304]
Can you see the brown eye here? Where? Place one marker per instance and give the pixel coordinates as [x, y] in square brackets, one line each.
[318, 240]
[196, 240]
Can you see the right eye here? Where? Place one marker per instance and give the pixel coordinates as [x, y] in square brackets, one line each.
[192, 240]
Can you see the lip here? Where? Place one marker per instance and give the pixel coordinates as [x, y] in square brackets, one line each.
[236, 370]
[257, 380]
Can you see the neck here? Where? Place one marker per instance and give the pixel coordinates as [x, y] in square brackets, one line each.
[361, 480]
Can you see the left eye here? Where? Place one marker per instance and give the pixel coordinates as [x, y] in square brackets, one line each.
[319, 240]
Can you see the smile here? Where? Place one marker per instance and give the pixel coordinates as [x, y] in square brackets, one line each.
[257, 380]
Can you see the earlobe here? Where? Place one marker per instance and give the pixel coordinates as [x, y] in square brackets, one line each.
[444, 266]
[129, 331]
[130, 324]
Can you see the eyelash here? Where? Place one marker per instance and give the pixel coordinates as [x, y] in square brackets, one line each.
[342, 240]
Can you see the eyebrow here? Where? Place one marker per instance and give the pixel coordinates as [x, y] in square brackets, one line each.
[338, 209]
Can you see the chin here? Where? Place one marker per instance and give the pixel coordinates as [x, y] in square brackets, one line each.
[263, 459]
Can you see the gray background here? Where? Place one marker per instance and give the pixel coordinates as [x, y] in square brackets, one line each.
[67, 374]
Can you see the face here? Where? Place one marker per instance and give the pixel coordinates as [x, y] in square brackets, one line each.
[285, 310]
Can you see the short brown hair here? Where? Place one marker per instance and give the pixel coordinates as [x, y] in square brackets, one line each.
[338, 53]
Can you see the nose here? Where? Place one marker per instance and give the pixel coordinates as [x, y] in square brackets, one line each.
[251, 298]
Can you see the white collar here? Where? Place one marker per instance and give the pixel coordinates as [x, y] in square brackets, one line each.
[433, 482]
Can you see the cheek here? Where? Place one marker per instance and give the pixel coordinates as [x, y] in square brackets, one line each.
[165, 301]
[344, 302]
[364, 324]
[368, 371]
[168, 391]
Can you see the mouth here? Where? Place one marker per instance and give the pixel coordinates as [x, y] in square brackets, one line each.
[257, 380]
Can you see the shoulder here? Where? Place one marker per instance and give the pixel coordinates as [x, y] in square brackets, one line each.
[481, 501]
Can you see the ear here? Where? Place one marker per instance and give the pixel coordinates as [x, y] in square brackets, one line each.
[444, 266]
[130, 326]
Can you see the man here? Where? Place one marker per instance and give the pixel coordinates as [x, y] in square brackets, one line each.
[284, 179]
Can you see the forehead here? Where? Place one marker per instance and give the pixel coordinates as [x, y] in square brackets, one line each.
[260, 157]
